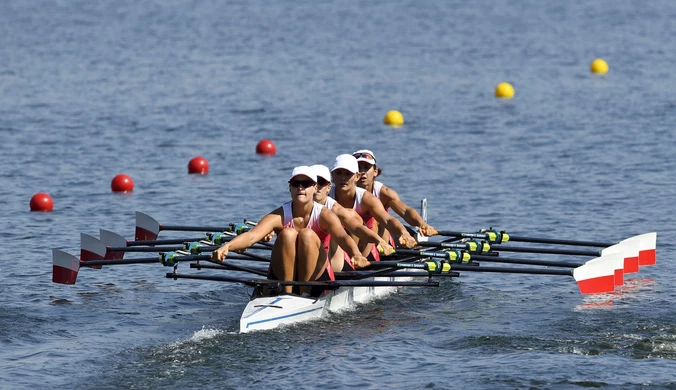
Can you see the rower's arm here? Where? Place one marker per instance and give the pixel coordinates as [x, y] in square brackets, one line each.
[329, 222]
[353, 223]
[375, 208]
[268, 224]
[390, 197]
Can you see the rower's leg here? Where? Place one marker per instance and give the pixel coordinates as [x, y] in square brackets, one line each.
[365, 247]
[283, 260]
[336, 256]
[311, 258]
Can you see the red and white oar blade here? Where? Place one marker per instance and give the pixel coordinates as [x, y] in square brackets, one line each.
[91, 248]
[596, 276]
[615, 261]
[147, 228]
[65, 267]
[110, 239]
[629, 252]
[647, 246]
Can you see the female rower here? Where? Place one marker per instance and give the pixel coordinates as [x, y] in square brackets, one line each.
[301, 226]
[349, 218]
[389, 197]
[345, 174]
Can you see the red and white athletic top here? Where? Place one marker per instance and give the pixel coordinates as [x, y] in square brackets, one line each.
[313, 223]
[357, 202]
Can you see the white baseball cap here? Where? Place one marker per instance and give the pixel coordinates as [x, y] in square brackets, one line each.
[304, 170]
[365, 155]
[322, 171]
[346, 161]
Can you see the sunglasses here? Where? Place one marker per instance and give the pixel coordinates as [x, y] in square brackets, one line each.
[297, 183]
[368, 156]
[322, 182]
[364, 167]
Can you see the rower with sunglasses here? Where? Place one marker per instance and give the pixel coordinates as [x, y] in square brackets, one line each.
[345, 174]
[301, 226]
[350, 220]
[389, 197]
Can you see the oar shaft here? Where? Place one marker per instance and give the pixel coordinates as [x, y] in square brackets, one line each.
[512, 270]
[553, 251]
[329, 285]
[506, 260]
[120, 261]
[230, 267]
[162, 242]
[195, 228]
[539, 240]
[145, 249]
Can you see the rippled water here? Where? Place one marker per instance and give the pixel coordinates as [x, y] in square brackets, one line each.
[92, 89]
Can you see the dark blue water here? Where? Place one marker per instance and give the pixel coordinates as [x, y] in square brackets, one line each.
[92, 89]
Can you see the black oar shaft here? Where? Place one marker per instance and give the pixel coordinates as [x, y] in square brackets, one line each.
[329, 285]
[560, 241]
[511, 270]
[230, 267]
[162, 242]
[538, 240]
[195, 228]
[553, 251]
[120, 261]
[506, 260]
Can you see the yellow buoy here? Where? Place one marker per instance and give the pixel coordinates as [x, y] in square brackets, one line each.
[394, 118]
[504, 91]
[599, 66]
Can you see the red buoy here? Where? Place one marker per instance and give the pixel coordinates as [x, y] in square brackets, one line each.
[122, 183]
[266, 146]
[198, 165]
[42, 202]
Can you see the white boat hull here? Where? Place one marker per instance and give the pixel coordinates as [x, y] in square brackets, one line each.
[264, 313]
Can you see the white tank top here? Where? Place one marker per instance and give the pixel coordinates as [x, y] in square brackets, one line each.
[377, 186]
[329, 203]
[313, 222]
[357, 201]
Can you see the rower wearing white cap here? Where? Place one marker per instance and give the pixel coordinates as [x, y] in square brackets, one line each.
[345, 174]
[301, 226]
[350, 219]
[389, 197]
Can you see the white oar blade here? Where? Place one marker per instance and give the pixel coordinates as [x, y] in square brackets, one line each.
[629, 251]
[91, 248]
[595, 276]
[147, 228]
[114, 240]
[616, 261]
[65, 267]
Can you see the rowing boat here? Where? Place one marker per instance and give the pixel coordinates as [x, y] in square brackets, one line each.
[269, 308]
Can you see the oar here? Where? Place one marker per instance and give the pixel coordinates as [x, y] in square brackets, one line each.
[646, 241]
[593, 277]
[95, 249]
[639, 250]
[478, 247]
[66, 266]
[329, 285]
[616, 262]
[147, 228]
